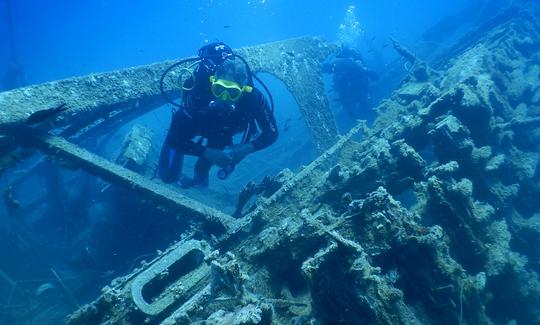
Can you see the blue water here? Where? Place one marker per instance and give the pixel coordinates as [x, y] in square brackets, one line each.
[59, 39]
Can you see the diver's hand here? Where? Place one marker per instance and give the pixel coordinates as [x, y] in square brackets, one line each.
[218, 157]
[240, 151]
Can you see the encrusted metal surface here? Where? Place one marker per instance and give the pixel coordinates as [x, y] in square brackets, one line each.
[191, 254]
[334, 245]
[128, 93]
[165, 197]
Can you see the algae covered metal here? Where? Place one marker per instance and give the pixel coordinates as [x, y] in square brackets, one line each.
[417, 223]
[427, 217]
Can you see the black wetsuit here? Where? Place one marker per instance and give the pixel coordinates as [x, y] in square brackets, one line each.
[216, 122]
[351, 82]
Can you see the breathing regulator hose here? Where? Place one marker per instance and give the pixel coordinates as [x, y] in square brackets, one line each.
[164, 74]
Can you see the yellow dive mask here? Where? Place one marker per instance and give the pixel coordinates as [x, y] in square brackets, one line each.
[226, 90]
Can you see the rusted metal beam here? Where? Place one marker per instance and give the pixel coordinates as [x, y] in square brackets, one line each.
[297, 62]
[163, 196]
[101, 99]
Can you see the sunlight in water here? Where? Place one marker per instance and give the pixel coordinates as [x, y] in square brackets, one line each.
[350, 31]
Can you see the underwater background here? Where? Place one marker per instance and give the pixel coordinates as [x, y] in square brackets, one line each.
[66, 234]
[60, 39]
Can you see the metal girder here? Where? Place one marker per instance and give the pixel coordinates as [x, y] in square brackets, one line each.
[164, 197]
[125, 94]
[112, 98]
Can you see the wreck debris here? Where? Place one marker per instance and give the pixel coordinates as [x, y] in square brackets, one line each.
[63, 285]
[103, 100]
[418, 68]
[410, 225]
[428, 219]
[169, 199]
[517, 123]
[267, 187]
[135, 148]
[185, 264]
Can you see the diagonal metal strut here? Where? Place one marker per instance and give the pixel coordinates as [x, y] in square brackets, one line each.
[164, 197]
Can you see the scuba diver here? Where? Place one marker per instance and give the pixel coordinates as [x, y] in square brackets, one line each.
[218, 101]
[351, 80]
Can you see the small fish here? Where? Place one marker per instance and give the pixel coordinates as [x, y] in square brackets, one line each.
[45, 114]
[286, 125]
[44, 287]
[385, 45]
[226, 26]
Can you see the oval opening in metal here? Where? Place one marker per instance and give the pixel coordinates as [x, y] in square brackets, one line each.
[189, 262]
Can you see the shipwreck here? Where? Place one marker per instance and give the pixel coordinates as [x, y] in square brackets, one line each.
[429, 216]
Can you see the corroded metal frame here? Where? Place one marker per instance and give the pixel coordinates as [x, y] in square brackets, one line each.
[107, 100]
[131, 92]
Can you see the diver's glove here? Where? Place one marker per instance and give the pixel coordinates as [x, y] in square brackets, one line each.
[218, 157]
[238, 152]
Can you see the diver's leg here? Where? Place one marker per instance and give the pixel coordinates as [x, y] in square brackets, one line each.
[170, 163]
[202, 170]
[170, 159]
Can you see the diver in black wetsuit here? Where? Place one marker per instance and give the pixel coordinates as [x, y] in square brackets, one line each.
[351, 81]
[218, 102]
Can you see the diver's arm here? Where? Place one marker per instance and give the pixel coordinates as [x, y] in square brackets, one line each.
[266, 122]
[185, 144]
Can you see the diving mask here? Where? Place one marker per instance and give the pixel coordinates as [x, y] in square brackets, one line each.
[226, 90]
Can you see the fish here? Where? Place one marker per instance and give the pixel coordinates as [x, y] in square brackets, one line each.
[286, 125]
[44, 287]
[226, 26]
[45, 114]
